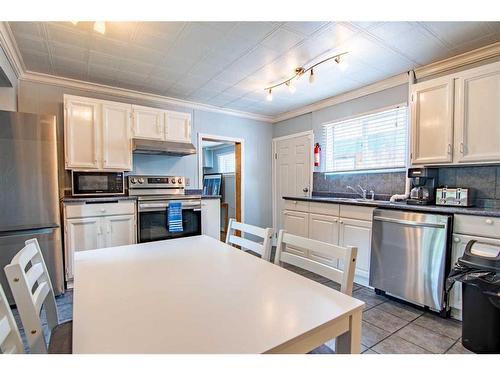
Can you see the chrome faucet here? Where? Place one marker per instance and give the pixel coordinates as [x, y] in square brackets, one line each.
[363, 191]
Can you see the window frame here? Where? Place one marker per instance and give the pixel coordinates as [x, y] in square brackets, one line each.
[372, 170]
[222, 155]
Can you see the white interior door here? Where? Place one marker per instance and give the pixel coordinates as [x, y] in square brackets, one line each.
[293, 170]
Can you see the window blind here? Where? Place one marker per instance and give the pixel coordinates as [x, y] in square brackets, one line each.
[226, 162]
[370, 142]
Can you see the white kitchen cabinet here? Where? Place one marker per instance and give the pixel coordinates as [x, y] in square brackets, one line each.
[324, 228]
[97, 134]
[120, 230]
[296, 222]
[177, 126]
[81, 133]
[478, 115]
[94, 226]
[358, 233]
[148, 123]
[210, 218]
[116, 137]
[432, 121]
[81, 234]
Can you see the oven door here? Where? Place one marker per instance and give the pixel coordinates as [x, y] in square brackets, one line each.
[152, 217]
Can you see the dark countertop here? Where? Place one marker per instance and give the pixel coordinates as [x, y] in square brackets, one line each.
[402, 206]
[211, 196]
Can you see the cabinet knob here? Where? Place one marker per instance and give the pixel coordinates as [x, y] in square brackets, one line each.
[489, 221]
[103, 210]
[294, 202]
[456, 239]
[341, 222]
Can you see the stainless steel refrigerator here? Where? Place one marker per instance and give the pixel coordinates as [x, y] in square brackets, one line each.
[29, 197]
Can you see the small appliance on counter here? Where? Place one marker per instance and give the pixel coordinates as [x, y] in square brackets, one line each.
[459, 197]
[423, 183]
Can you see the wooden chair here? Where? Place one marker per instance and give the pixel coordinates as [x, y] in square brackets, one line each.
[264, 248]
[346, 255]
[32, 289]
[10, 340]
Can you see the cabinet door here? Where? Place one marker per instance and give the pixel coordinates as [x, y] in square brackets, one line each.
[210, 218]
[148, 123]
[178, 126]
[81, 126]
[120, 230]
[297, 223]
[478, 115]
[324, 228]
[116, 145]
[432, 121]
[81, 234]
[358, 233]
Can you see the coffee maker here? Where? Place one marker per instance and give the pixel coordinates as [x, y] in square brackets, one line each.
[423, 185]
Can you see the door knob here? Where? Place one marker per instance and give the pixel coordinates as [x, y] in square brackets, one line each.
[305, 190]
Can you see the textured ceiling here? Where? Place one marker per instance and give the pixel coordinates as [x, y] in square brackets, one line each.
[227, 64]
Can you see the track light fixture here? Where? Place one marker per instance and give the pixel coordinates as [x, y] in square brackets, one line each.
[269, 96]
[301, 71]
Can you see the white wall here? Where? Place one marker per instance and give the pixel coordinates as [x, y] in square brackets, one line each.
[43, 98]
[8, 89]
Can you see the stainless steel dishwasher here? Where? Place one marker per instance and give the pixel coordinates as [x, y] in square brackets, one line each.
[410, 256]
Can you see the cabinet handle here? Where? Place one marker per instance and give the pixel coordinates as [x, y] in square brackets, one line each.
[103, 210]
[461, 147]
[341, 222]
[489, 221]
[449, 148]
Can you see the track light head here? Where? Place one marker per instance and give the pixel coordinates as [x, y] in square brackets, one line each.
[311, 76]
[269, 96]
[291, 87]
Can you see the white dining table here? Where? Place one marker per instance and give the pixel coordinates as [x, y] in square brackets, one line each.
[200, 295]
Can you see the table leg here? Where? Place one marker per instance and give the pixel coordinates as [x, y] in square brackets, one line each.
[350, 342]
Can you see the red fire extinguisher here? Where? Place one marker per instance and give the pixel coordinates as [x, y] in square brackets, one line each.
[317, 157]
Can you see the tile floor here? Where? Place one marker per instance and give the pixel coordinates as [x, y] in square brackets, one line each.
[389, 327]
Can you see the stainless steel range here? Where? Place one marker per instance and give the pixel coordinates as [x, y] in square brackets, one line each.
[154, 194]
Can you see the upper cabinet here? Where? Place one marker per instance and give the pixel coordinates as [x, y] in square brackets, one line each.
[148, 123]
[455, 119]
[81, 130]
[98, 134]
[478, 115]
[432, 125]
[178, 126]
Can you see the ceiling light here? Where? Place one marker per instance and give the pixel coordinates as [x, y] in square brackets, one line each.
[311, 76]
[343, 65]
[100, 27]
[269, 96]
[299, 71]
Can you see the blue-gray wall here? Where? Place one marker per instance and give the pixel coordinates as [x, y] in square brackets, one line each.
[257, 135]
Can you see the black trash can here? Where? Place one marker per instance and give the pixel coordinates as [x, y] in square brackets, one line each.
[479, 271]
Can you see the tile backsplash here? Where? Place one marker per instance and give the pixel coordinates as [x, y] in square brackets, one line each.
[483, 180]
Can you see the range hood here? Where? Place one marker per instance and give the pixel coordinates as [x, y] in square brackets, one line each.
[147, 146]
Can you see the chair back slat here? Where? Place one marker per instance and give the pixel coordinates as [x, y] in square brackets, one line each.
[264, 248]
[30, 302]
[34, 274]
[10, 340]
[346, 255]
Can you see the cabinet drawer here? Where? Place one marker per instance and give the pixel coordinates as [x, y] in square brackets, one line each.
[324, 208]
[356, 212]
[477, 225]
[296, 205]
[99, 209]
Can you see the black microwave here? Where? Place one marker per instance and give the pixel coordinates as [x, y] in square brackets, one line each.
[97, 183]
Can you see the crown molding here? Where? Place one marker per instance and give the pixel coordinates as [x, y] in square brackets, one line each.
[385, 84]
[9, 46]
[132, 94]
[458, 61]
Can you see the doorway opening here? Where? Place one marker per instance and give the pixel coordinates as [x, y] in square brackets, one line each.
[220, 162]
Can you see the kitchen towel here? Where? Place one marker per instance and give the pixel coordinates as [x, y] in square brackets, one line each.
[174, 217]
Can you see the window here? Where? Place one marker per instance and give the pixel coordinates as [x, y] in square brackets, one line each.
[371, 142]
[226, 162]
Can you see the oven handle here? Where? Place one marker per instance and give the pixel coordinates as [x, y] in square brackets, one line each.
[144, 207]
[408, 222]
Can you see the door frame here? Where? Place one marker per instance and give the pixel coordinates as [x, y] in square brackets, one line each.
[241, 142]
[309, 133]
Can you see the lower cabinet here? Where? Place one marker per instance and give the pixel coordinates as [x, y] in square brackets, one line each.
[210, 218]
[88, 227]
[336, 230]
